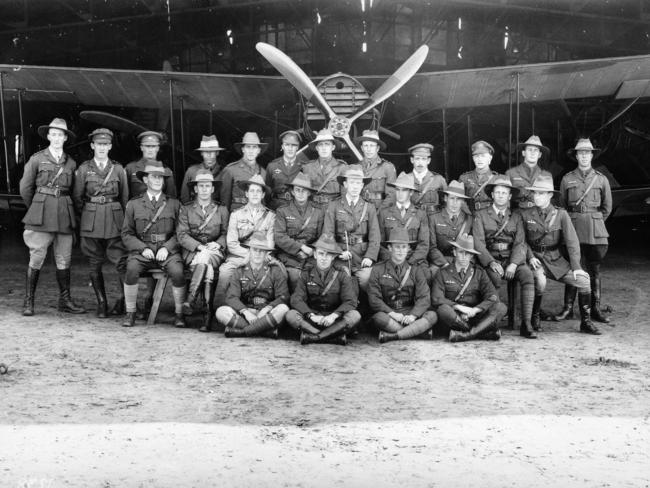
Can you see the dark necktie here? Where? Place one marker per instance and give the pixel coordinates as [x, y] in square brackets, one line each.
[454, 219]
[500, 218]
[402, 211]
[462, 275]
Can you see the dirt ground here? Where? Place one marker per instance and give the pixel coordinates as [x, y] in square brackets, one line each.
[88, 403]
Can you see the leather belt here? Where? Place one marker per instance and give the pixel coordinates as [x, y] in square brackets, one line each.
[155, 238]
[500, 246]
[525, 204]
[55, 192]
[324, 198]
[544, 248]
[102, 199]
[283, 196]
[352, 240]
[481, 205]
[429, 207]
[243, 200]
[583, 209]
[375, 195]
[257, 301]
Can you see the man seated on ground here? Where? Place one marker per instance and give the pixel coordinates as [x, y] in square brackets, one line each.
[324, 302]
[297, 226]
[149, 235]
[257, 294]
[201, 232]
[398, 293]
[499, 237]
[465, 299]
[548, 230]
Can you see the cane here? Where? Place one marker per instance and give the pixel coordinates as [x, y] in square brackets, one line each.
[347, 248]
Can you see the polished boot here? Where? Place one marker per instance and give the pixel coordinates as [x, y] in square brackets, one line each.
[459, 325]
[195, 284]
[261, 325]
[569, 299]
[234, 332]
[526, 330]
[586, 325]
[119, 307]
[485, 326]
[387, 337]
[535, 320]
[209, 312]
[596, 312]
[179, 321]
[31, 281]
[65, 301]
[512, 293]
[129, 319]
[336, 329]
[493, 335]
[308, 338]
[97, 280]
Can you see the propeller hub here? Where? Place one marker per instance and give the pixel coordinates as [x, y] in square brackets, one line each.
[339, 126]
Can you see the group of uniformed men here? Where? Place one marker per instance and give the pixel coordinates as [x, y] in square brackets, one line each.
[416, 254]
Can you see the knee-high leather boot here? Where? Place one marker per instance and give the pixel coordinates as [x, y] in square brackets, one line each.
[527, 305]
[486, 325]
[119, 308]
[261, 325]
[209, 313]
[535, 319]
[338, 328]
[586, 325]
[97, 280]
[569, 299]
[31, 280]
[65, 301]
[195, 283]
[596, 312]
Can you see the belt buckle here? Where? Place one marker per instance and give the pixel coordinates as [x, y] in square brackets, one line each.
[102, 199]
[57, 192]
[583, 207]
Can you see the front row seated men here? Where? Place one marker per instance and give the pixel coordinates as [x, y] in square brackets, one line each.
[149, 234]
[398, 293]
[201, 233]
[323, 306]
[256, 295]
[464, 297]
[548, 228]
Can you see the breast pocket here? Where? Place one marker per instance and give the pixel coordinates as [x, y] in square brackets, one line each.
[573, 193]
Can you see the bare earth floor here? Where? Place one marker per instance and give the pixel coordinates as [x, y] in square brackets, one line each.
[87, 403]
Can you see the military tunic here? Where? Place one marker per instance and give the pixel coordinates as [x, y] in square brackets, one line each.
[588, 217]
[416, 223]
[386, 293]
[191, 218]
[508, 247]
[190, 174]
[426, 197]
[381, 172]
[308, 297]
[230, 194]
[278, 177]
[475, 184]
[522, 176]
[137, 187]
[257, 289]
[49, 205]
[442, 230]
[295, 227]
[479, 293]
[323, 176]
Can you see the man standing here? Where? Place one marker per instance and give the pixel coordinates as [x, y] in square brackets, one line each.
[209, 149]
[252, 218]
[427, 183]
[586, 194]
[464, 297]
[297, 226]
[257, 294]
[547, 230]
[353, 222]
[101, 192]
[324, 171]
[150, 146]
[149, 235]
[201, 233]
[499, 238]
[380, 171]
[398, 293]
[324, 302]
[476, 181]
[281, 171]
[50, 219]
[524, 174]
[231, 193]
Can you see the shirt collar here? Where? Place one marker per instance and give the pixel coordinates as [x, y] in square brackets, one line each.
[57, 154]
[404, 206]
[151, 196]
[351, 202]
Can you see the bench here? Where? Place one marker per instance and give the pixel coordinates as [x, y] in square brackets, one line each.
[160, 277]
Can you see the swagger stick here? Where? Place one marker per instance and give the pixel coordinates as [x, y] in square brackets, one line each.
[347, 248]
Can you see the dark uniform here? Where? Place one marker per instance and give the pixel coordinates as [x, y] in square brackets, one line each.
[231, 194]
[323, 176]
[442, 230]
[191, 231]
[381, 172]
[427, 197]
[416, 223]
[279, 175]
[475, 184]
[522, 176]
[190, 174]
[137, 187]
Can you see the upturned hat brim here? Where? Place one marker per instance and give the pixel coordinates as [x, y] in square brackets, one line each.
[166, 172]
[337, 144]
[336, 250]
[572, 152]
[458, 246]
[489, 188]
[244, 185]
[400, 185]
[453, 193]
[522, 145]
[44, 129]
[262, 145]
[341, 179]
[258, 245]
[537, 188]
[358, 140]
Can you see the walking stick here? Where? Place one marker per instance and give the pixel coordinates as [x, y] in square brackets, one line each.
[347, 248]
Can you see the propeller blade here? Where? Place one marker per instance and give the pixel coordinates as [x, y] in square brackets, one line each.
[296, 76]
[352, 147]
[395, 82]
[615, 116]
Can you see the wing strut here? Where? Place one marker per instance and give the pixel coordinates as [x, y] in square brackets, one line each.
[4, 131]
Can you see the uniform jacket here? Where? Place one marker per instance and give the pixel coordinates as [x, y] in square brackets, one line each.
[137, 186]
[186, 194]
[230, 194]
[485, 226]
[442, 231]
[289, 232]
[521, 176]
[447, 283]
[278, 177]
[308, 296]
[363, 235]
[190, 218]
[138, 214]
[384, 294]
[257, 289]
[473, 182]
[242, 224]
[560, 234]
[589, 216]
[381, 172]
[48, 213]
[318, 175]
[101, 220]
[432, 183]
[417, 225]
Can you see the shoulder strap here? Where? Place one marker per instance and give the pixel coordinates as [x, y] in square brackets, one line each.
[208, 218]
[503, 226]
[328, 178]
[256, 227]
[56, 176]
[307, 220]
[462, 228]
[329, 285]
[259, 283]
[405, 279]
[589, 187]
[155, 217]
[408, 222]
[101, 187]
[465, 285]
[425, 189]
[480, 188]
[363, 215]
